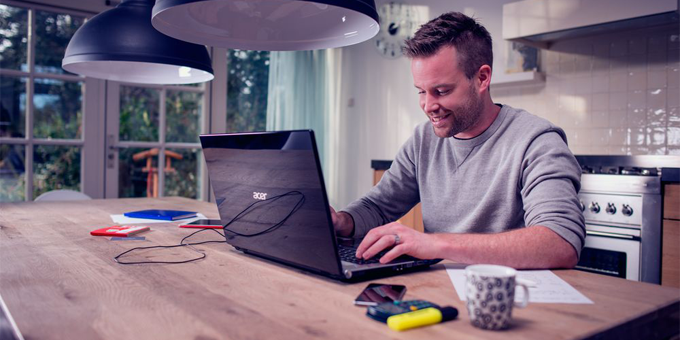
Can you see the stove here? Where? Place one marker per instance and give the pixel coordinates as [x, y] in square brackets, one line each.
[622, 205]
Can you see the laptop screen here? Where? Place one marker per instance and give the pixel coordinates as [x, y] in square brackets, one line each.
[270, 187]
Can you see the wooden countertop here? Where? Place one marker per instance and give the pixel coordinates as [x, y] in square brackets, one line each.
[61, 283]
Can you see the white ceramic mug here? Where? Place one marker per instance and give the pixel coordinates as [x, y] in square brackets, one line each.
[490, 292]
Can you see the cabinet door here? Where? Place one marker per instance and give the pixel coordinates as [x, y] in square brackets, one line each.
[413, 218]
[671, 199]
[670, 258]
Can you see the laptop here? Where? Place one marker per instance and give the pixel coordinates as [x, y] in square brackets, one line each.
[272, 200]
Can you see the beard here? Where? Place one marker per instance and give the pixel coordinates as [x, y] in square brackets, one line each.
[465, 116]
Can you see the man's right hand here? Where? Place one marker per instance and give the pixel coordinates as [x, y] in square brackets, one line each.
[343, 223]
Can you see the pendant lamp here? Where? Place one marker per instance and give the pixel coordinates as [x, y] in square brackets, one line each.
[269, 25]
[121, 44]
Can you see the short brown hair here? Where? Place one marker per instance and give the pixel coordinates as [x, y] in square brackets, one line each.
[471, 40]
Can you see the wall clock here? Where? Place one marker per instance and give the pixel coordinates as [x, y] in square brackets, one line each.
[397, 23]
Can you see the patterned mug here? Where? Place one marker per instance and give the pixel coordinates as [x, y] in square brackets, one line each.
[490, 293]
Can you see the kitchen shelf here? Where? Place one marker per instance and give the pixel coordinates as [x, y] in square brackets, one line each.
[519, 78]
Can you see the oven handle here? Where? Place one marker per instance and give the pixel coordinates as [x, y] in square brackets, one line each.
[620, 236]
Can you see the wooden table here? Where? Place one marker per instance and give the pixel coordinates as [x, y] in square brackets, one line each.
[61, 283]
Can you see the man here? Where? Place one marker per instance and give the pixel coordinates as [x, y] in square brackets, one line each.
[497, 184]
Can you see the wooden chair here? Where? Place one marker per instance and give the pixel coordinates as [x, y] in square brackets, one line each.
[152, 172]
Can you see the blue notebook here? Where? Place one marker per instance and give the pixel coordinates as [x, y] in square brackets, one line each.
[168, 215]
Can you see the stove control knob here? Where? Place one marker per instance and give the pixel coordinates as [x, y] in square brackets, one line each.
[594, 207]
[627, 210]
[583, 206]
[611, 209]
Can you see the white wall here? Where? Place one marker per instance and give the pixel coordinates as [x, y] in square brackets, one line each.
[380, 103]
[615, 94]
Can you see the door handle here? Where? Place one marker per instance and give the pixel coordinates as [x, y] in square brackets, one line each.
[619, 236]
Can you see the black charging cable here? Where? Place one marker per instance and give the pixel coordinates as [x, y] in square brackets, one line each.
[238, 216]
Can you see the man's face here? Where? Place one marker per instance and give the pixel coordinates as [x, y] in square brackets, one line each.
[447, 97]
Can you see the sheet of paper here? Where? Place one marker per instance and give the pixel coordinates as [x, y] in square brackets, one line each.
[547, 288]
[122, 219]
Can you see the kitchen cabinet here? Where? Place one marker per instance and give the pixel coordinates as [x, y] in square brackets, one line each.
[542, 22]
[670, 257]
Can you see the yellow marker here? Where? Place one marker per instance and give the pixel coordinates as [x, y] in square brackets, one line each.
[421, 317]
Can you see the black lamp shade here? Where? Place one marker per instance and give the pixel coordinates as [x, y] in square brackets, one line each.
[269, 25]
[121, 44]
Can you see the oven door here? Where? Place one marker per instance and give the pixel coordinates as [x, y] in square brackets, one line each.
[611, 254]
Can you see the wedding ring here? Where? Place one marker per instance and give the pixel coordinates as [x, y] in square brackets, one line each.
[396, 239]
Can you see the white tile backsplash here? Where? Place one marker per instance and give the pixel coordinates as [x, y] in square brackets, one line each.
[656, 99]
[618, 118]
[673, 117]
[637, 99]
[618, 64]
[636, 118]
[599, 119]
[599, 137]
[673, 136]
[673, 41]
[618, 81]
[618, 101]
[637, 79]
[601, 64]
[656, 137]
[657, 118]
[618, 47]
[637, 46]
[656, 79]
[600, 81]
[673, 59]
[656, 44]
[583, 85]
[637, 62]
[657, 61]
[637, 136]
[612, 94]
[600, 102]
[673, 79]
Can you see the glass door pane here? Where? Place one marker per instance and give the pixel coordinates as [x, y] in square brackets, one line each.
[183, 116]
[58, 109]
[136, 176]
[55, 167]
[157, 140]
[53, 32]
[12, 173]
[182, 174]
[247, 88]
[13, 106]
[13, 38]
[139, 114]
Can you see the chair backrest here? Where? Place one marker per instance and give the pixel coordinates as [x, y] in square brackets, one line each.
[62, 195]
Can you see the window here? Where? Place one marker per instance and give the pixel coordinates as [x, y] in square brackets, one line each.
[41, 105]
[247, 82]
[157, 140]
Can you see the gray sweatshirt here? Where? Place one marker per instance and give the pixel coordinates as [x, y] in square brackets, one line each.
[517, 173]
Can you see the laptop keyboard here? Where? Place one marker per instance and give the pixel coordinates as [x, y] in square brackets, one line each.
[349, 254]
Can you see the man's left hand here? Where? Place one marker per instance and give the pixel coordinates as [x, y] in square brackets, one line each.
[403, 239]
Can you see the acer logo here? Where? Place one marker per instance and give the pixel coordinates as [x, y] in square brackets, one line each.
[260, 196]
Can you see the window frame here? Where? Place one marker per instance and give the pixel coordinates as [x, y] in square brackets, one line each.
[92, 124]
[113, 144]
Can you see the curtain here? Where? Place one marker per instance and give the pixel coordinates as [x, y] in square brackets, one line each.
[304, 93]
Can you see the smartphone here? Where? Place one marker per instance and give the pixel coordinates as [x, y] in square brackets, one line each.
[377, 293]
[215, 224]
